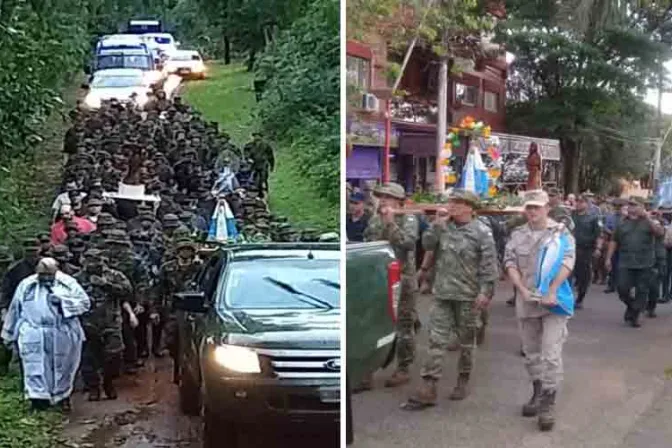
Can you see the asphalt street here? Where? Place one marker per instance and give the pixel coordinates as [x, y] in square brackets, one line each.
[615, 392]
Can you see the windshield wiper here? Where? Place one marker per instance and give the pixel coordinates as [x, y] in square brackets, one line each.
[329, 283]
[290, 288]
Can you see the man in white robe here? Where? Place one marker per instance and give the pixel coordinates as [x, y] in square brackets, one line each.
[42, 323]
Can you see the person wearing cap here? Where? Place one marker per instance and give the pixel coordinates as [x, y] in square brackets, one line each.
[666, 212]
[59, 233]
[109, 290]
[173, 278]
[70, 195]
[660, 268]
[391, 223]
[43, 323]
[94, 208]
[545, 300]
[357, 219]
[634, 238]
[593, 208]
[61, 253]
[463, 250]
[587, 231]
[45, 243]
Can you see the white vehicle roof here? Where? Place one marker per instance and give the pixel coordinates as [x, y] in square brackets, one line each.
[145, 22]
[122, 38]
[118, 72]
[179, 54]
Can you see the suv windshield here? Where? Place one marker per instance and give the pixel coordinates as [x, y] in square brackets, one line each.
[107, 82]
[281, 284]
[142, 62]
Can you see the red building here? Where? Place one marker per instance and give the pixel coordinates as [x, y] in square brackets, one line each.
[479, 92]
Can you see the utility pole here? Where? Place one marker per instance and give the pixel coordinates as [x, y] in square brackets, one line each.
[442, 123]
[659, 146]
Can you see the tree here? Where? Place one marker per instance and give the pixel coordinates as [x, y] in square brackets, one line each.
[583, 84]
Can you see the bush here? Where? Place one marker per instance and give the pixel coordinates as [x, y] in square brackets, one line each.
[301, 101]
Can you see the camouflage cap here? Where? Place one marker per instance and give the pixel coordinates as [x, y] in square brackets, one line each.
[636, 200]
[106, 219]
[618, 202]
[465, 196]
[116, 236]
[60, 250]
[535, 198]
[30, 243]
[77, 245]
[170, 220]
[44, 238]
[185, 244]
[390, 189]
[185, 215]
[94, 202]
[94, 254]
[553, 192]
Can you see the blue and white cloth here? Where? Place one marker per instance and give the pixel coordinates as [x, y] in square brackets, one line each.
[475, 174]
[549, 263]
[222, 223]
[43, 322]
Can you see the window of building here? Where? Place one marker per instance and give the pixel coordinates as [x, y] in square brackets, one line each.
[359, 72]
[491, 101]
[467, 95]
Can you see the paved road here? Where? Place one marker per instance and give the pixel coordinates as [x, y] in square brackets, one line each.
[615, 392]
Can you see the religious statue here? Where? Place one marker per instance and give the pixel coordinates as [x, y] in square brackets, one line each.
[534, 168]
[135, 163]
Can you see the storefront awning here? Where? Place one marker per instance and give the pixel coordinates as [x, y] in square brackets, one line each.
[363, 163]
[519, 144]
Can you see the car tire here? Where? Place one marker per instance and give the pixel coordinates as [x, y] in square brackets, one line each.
[218, 432]
[349, 432]
[190, 396]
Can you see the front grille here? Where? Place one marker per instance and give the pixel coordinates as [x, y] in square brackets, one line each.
[304, 364]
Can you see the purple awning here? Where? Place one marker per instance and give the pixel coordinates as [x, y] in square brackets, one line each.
[364, 163]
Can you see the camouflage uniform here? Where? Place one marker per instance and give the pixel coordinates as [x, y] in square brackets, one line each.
[173, 277]
[402, 235]
[466, 267]
[61, 253]
[102, 325]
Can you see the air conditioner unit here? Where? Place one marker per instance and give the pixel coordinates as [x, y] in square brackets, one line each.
[370, 102]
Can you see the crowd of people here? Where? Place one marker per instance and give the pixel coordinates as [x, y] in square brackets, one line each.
[551, 252]
[93, 296]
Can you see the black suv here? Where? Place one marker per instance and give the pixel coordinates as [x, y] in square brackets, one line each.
[259, 339]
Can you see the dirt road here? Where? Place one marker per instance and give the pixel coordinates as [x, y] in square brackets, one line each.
[147, 415]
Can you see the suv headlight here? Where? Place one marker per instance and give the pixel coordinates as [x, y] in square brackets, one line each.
[237, 359]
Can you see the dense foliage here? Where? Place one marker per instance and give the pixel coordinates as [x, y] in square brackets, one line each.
[301, 100]
[581, 69]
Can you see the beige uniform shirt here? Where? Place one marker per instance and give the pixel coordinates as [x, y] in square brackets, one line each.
[522, 252]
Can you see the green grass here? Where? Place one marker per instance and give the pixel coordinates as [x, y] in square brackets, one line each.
[20, 428]
[228, 98]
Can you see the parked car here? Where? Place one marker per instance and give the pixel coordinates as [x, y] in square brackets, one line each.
[123, 84]
[161, 41]
[186, 63]
[260, 340]
[372, 295]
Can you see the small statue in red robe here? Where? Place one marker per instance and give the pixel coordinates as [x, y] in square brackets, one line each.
[534, 168]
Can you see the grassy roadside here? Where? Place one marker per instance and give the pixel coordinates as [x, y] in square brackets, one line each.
[27, 187]
[228, 98]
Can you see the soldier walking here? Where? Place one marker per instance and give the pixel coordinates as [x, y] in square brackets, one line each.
[539, 260]
[391, 223]
[587, 231]
[108, 290]
[464, 254]
[659, 270]
[634, 238]
[173, 278]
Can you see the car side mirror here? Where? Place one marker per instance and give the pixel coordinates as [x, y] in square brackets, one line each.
[85, 86]
[87, 69]
[192, 302]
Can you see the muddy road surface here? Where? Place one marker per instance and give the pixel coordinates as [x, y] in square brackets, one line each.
[147, 415]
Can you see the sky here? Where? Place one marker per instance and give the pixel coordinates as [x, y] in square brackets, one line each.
[652, 96]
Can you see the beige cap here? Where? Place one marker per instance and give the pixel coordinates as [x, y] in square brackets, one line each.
[537, 198]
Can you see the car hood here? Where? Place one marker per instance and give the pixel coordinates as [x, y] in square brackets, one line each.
[286, 329]
[118, 93]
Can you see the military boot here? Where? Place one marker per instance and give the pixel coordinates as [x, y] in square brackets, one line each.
[423, 398]
[531, 408]
[398, 378]
[462, 389]
[110, 391]
[94, 393]
[547, 410]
